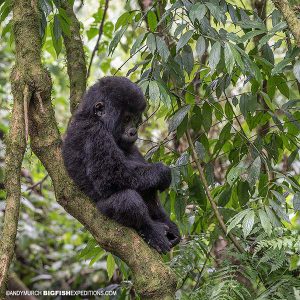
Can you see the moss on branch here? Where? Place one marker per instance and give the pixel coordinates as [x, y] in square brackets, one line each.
[76, 64]
[15, 149]
[290, 17]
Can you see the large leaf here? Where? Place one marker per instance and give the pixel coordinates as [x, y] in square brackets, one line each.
[184, 39]
[248, 103]
[254, 171]
[162, 48]
[248, 223]
[265, 221]
[178, 117]
[214, 56]
[200, 150]
[233, 222]
[197, 11]
[200, 46]
[152, 20]
[296, 202]
[110, 265]
[229, 58]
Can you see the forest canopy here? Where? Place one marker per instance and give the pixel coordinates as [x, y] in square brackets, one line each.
[222, 84]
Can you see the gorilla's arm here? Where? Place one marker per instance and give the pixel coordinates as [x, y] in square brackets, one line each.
[107, 166]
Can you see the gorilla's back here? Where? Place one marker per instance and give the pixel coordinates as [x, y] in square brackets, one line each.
[73, 154]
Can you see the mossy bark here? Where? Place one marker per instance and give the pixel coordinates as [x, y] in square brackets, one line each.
[152, 278]
[76, 64]
[15, 149]
[290, 17]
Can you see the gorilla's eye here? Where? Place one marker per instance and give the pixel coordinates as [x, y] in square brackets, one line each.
[98, 108]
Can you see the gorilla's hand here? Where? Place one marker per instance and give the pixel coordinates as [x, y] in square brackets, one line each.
[156, 236]
[164, 175]
[173, 233]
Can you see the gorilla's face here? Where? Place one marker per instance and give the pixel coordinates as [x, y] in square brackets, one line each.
[122, 124]
[130, 122]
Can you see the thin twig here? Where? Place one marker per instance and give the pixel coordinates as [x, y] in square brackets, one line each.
[98, 39]
[40, 182]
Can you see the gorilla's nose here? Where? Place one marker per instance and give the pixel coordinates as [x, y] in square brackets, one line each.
[132, 132]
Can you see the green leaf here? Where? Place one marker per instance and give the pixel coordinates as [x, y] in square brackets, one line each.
[265, 222]
[229, 58]
[272, 217]
[115, 41]
[282, 86]
[178, 117]
[234, 221]
[123, 20]
[187, 59]
[214, 56]
[296, 70]
[228, 110]
[237, 170]
[225, 196]
[247, 103]
[57, 42]
[179, 29]
[237, 55]
[151, 42]
[249, 35]
[296, 202]
[137, 43]
[288, 59]
[243, 192]
[110, 266]
[64, 26]
[217, 12]
[56, 28]
[206, 116]
[152, 20]
[184, 39]
[46, 6]
[200, 46]
[164, 96]
[200, 150]
[7, 29]
[162, 48]
[280, 212]
[279, 197]
[197, 11]
[254, 171]
[154, 93]
[197, 193]
[268, 100]
[248, 223]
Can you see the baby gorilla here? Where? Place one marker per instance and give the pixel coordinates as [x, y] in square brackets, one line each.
[101, 158]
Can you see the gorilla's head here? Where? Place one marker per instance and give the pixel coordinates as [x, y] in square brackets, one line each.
[118, 104]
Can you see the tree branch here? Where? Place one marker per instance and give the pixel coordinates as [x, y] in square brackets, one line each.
[153, 280]
[98, 39]
[290, 17]
[15, 150]
[76, 64]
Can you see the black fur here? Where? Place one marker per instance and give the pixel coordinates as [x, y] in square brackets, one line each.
[101, 157]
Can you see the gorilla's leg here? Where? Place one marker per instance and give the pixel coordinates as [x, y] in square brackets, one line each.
[128, 208]
[157, 213]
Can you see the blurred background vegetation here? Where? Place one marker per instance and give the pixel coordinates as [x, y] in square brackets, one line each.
[226, 72]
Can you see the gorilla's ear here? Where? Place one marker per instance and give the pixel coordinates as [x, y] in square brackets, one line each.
[99, 109]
